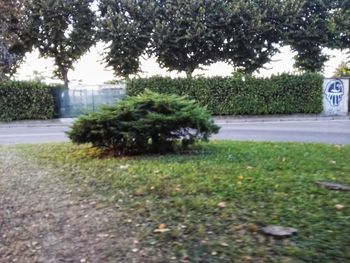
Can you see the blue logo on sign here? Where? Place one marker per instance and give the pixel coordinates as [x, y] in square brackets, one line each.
[334, 92]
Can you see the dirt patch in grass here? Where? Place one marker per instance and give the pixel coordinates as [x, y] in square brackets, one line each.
[42, 219]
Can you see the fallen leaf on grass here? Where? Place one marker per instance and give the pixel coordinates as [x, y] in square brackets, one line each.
[339, 207]
[161, 229]
[253, 227]
[222, 205]
[247, 258]
[162, 226]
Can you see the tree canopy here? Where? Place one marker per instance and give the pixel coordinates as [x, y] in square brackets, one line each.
[254, 29]
[63, 30]
[183, 35]
[340, 25]
[343, 70]
[126, 26]
[310, 34]
[187, 34]
[14, 42]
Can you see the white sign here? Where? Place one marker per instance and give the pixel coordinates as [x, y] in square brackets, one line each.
[335, 97]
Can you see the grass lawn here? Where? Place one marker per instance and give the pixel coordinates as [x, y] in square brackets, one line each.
[209, 206]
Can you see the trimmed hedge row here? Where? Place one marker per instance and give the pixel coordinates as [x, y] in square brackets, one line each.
[20, 100]
[243, 95]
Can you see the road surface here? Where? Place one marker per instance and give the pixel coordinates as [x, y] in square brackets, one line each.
[317, 131]
[327, 131]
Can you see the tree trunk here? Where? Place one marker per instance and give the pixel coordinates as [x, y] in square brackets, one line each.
[65, 77]
[189, 73]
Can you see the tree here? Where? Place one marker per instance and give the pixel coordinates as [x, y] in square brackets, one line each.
[184, 35]
[13, 36]
[187, 34]
[253, 31]
[343, 70]
[340, 25]
[126, 26]
[63, 29]
[309, 34]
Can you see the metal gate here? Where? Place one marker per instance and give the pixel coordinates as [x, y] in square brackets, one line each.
[75, 101]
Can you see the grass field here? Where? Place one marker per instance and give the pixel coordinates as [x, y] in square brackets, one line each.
[209, 206]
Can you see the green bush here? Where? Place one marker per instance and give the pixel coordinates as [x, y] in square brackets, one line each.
[243, 95]
[148, 123]
[21, 100]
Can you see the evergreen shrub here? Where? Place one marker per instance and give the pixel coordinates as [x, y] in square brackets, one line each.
[243, 95]
[147, 123]
[20, 100]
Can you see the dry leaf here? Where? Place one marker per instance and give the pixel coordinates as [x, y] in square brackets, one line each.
[253, 227]
[161, 230]
[339, 207]
[222, 205]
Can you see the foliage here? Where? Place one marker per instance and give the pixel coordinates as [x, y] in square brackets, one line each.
[309, 34]
[14, 41]
[340, 25]
[343, 70]
[253, 31]
[146, 123]
[186, 34]
[21, 100]
[126, 27]
[260, 183]
[63, 29]
[239, 94]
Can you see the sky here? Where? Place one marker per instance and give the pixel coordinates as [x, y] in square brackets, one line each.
[90, 69]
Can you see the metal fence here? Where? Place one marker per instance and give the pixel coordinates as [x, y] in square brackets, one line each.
[75, 101]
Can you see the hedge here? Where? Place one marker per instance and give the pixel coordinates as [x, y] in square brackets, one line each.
[243, 95]
[21, 100]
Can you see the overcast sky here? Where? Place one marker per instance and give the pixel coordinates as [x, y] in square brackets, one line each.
[91, 70]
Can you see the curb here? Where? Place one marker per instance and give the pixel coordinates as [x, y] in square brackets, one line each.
[37, 123]
[277, 118]
[64, 122]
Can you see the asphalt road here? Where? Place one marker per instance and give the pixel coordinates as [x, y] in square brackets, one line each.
[317, 131]
[326, 131]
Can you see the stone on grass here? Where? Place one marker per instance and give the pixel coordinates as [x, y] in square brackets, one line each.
[279, 231]
[334, 186]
